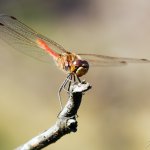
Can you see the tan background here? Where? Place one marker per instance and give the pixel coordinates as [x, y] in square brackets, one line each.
[115, 114]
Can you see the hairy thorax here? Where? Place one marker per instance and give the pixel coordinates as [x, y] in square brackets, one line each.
[72, 63]
[65, 62]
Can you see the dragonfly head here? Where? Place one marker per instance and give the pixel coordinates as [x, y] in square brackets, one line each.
[80, 67]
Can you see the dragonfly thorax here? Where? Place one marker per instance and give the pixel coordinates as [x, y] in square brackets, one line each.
[72, 63]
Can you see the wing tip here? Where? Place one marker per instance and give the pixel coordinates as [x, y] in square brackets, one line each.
[145, 60]
[5, 15]
[1, 24]
[12, 17]
[123, 62]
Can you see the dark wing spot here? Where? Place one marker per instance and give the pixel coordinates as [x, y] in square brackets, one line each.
[144, 59]
[13, 17]
[1, 24]
[123, 62]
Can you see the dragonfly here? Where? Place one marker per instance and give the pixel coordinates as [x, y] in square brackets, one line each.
[31, 43]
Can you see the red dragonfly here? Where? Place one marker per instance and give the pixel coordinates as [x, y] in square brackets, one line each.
[31, 43]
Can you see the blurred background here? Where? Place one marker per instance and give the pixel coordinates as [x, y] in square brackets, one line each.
[115, 114]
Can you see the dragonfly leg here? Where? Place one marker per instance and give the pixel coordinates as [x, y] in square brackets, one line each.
[69, 84]
[62, 87]
[76, 78]
[71, 78]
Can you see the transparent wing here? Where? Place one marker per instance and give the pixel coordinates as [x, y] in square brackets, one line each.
[102, 60]
[23, 38]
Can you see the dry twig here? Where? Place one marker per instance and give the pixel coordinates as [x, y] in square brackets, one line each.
[65, 123]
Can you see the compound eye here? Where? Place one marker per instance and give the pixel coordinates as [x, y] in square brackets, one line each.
[77, 63]
[81, 67]
[81, 63]
[85, 64]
